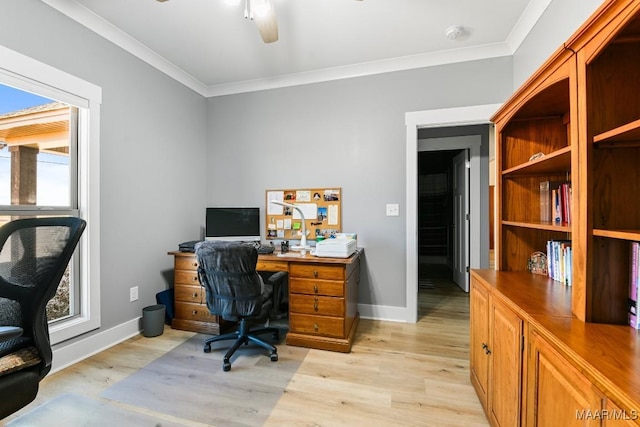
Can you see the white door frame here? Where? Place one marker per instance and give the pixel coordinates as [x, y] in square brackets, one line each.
[462, 116]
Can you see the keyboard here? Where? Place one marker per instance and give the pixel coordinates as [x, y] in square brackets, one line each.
[264, 249]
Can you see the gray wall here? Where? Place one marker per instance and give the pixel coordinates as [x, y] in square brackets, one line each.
[561, 19]
[348, 133]
[153, 137]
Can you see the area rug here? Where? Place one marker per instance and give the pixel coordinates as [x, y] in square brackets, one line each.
[190, 384]
[80, 411]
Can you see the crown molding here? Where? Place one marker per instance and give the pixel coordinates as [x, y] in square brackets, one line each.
[364, 69]
[100, 26]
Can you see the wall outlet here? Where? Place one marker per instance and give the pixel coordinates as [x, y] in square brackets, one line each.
[133, 294]
[393, 209]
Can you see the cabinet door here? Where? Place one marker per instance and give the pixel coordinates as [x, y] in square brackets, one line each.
[558, 394]
[505, 372]
[479, 357]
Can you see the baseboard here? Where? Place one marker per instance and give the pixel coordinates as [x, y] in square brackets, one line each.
[67, 355]
[383, 312]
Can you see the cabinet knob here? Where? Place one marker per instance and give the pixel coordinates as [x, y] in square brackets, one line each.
[194, 312]
[315, 273]
[195, 264]
[195, 295]
[484, 346]
[315, 306]
[195, 278]
[315, 288]
[315, 327]
[487, 351]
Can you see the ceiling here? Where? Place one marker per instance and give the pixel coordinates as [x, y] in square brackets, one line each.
[209, 46]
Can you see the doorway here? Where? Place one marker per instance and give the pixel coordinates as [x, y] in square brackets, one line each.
[443, 225]
[472, 120]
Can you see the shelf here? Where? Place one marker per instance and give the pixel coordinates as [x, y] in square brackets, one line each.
[539, 226]
[623, 136]
[554, 162]
[633, 235]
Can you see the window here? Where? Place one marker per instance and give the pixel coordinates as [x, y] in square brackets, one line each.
[49, 145]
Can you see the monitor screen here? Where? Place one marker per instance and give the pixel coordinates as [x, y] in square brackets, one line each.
[233, 224]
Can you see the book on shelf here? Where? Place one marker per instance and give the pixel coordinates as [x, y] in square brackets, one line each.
[560, 256]
[545, 199]
[634, 319]
[555, 202]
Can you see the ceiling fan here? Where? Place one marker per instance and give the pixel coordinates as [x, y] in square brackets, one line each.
[263, 13]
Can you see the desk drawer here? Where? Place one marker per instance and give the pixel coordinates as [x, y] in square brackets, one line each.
[272, 266]
[316, 287]
[316, 271]
[316, 325]
[319, 305]
[187, 293]
[192, 311]
[186, 277]
[186, 263]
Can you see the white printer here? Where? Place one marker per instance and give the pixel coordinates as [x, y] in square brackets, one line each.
[341, 247]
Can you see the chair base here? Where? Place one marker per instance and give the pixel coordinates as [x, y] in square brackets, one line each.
[242, 336]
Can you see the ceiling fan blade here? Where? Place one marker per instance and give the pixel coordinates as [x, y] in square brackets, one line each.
[264, 15]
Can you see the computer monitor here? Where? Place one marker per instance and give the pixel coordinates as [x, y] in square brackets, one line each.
[232, 224]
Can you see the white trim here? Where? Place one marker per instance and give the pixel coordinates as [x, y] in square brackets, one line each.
[462, 116]
[363, 69]
[28, 74]
[382, 312]
[94, 344]
[99, 25]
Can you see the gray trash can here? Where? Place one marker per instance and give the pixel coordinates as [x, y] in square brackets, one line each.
[153, 320]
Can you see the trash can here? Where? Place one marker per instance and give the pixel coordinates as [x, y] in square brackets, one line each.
[153, 320]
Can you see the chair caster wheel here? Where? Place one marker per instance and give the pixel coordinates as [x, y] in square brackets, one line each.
[207, 348]
[274, 357]
[226, 366]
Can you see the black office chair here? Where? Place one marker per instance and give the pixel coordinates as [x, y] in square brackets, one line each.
[236, 292]
[34, 255]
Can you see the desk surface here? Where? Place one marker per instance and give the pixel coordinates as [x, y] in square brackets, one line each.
[293, 258]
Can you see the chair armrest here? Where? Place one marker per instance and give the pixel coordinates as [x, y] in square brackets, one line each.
[9, 332]
[277, 277]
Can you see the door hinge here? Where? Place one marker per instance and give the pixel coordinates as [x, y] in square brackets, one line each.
[522, 346]
[467, 163]
[468, 217]
[467, 268]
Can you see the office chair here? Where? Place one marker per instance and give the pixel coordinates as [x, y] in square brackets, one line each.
[236, 292]
[34, 254]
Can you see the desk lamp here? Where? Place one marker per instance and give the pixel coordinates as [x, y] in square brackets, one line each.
[303, 240]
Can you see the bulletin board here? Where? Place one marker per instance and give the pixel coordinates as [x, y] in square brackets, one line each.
[321, 207]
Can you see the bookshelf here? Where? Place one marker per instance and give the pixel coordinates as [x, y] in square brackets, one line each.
[577, 111]
[570, 347]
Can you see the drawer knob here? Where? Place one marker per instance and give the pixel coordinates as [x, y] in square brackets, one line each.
[315, 327]
[195, 295]
[315, 273]
[195, 278]
[315, 288]
[194, 312]
[195, 264]
[315, 306]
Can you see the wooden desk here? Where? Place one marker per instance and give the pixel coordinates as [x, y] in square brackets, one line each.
[323, 298]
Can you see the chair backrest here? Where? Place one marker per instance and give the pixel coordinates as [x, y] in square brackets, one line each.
[228, 272]
[34, 254]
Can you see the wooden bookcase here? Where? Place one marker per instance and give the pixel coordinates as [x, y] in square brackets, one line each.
[582, 111]
[570, 349]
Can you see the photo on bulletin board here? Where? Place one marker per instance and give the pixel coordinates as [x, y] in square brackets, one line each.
[320, 208]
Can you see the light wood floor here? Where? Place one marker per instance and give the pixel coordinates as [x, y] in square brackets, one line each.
[397, 374]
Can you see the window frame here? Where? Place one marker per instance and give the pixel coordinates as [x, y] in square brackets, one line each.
[28, 74]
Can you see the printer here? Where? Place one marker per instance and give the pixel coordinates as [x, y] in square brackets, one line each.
[341, 247]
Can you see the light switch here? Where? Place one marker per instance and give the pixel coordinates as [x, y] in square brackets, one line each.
[393, 209]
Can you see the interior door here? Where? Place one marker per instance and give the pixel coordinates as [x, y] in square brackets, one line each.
[461, 220]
